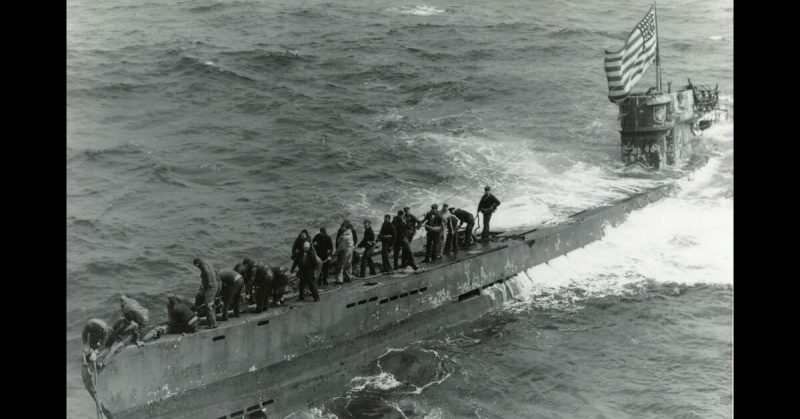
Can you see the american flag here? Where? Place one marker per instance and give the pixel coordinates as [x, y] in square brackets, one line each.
[625, 67]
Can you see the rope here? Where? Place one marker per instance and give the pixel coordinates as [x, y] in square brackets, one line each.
[96, 396]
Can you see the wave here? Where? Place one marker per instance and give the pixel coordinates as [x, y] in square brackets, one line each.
[125, 150]
[419, 10]
[190, 68]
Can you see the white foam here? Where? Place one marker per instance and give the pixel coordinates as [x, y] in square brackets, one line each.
[382, 381]
[313, 413]
[419, 10]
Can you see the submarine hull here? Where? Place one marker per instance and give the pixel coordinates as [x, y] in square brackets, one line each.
[299, 355]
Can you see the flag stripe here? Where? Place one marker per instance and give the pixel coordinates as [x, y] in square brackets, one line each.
[624, 67]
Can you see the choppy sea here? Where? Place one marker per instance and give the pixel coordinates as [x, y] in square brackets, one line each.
[220, 129]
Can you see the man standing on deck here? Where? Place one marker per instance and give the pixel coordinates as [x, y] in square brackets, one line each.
[344, 253]
[433, 228]
[451, 225]
[306, 266]
[209, 286]
[465, 217]
[425, 220]
[412, 222]
[399, 227]
[347, 226]
[441, 247]
[324, 247]
[367, 242]
[487, 206]
[405, 243]
[387, 235]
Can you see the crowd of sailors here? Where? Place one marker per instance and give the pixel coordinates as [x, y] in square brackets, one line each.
[312, 259]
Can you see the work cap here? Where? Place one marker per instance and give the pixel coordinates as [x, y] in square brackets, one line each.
[487, 188]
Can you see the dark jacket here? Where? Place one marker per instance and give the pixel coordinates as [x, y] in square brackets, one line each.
[463, 216]
[179, 312]
[227, 276]
[323, 245]
[368, 239]
[297, 247]
[412, 222]
[260, 272]
[401, 228]
[434, 222]
[388, 232]
[281, 279]
[306, 262]
[429, 215]
[488, 203]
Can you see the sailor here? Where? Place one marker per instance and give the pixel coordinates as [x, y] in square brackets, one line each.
[249, 285]
[433, 229]
[405, 243]
[307, 264]
[324, 246]
[412, 222]
[231, 283]
[399, 226]
[209, 286]
[386, 236]
[123, 333]
[297, 247]
[281, 279]
[444, 213]
[465, 217]
[343, 227]
[344, 253]
[131, 328]
[367, 243]
[134, 312]
[95, 334]
[182, 319]
[451, 226]
[347, 225]
[487, 205]
[262, 279]
[427, 218]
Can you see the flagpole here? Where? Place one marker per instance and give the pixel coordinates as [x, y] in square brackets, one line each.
[658, 53]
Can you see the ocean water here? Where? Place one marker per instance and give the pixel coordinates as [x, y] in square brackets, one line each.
[220, 129]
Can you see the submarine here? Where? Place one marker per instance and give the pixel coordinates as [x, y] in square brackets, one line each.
[294, 356]
[275, 363]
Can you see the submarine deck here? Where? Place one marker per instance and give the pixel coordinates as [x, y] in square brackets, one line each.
[356, 286]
